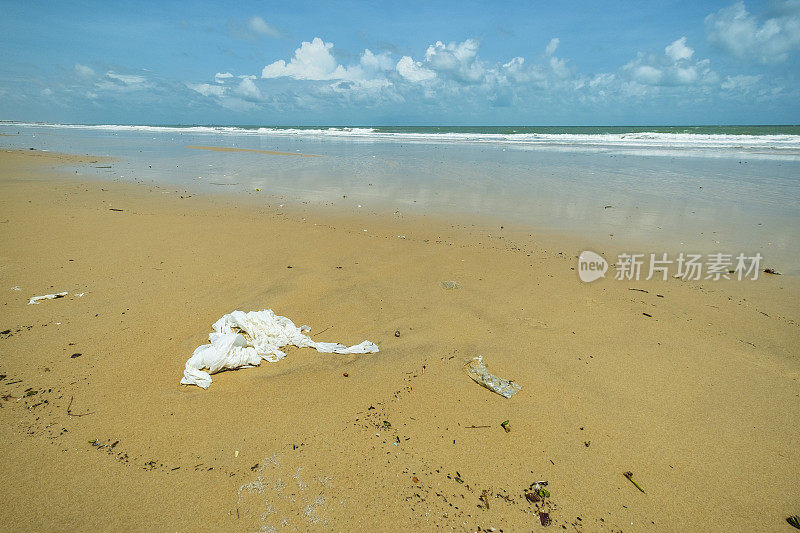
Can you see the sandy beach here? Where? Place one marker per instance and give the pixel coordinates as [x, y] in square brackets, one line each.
[693, 386]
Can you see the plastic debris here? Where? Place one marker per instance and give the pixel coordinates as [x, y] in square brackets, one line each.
[16, 288]
[505, 425]
[242, 340]
[477, 371]
[35, 299]
[450, 285]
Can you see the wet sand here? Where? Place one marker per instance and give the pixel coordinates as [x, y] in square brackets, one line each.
[268, 152]
[694, 387]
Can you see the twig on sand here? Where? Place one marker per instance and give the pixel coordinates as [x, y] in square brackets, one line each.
[70, 413]
[629, 475]
[639, 290]
[323, 331]
[476, 427]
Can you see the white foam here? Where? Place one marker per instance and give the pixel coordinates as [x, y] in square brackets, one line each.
[653, 143]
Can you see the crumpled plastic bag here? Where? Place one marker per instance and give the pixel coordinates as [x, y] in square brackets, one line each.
[477, 371]
[242, 340]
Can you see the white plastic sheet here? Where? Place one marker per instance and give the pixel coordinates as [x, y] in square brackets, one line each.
[35, 299]
[241, 340]
[477, 371]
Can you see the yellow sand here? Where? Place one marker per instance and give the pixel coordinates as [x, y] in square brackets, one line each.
[699, 401]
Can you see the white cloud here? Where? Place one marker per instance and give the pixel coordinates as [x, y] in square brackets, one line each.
[551, 46]
[127, 79]
[456, 60]
[413, 70]
[675, 67]
[559, 67]
[742, 83]
[220, 77]
[83, 71]
[646, 74]
[123, 82]
[206, 89]
[259, 26]
[312, 61]
[247, 89]
[745, 36]
[453, 74]
[678, 50]
[370, 61]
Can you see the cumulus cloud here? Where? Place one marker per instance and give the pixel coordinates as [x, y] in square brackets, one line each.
[453, 74]
[678, 50]
[551, 46]
[370, 61]
[247, 89]
[559, 67]
[413, 70]
[766, 39]
[83, 71]
[675, 67]
[259, 26]
[312, 61]
[456, 60]
[220, 77]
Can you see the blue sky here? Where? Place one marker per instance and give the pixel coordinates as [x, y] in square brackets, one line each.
[361, 63]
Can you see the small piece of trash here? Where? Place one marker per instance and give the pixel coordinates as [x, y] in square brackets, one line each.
[477, 371]
[505, 425]
[80, 294]
[16, 288]
[449, 285]
[772, 271]
[236, 453]
[36, 299]
[532, 497]
[401, 236]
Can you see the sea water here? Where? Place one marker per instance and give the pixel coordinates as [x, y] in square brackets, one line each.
[727, 189]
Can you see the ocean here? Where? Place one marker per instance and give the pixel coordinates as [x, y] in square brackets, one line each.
[707, 189]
